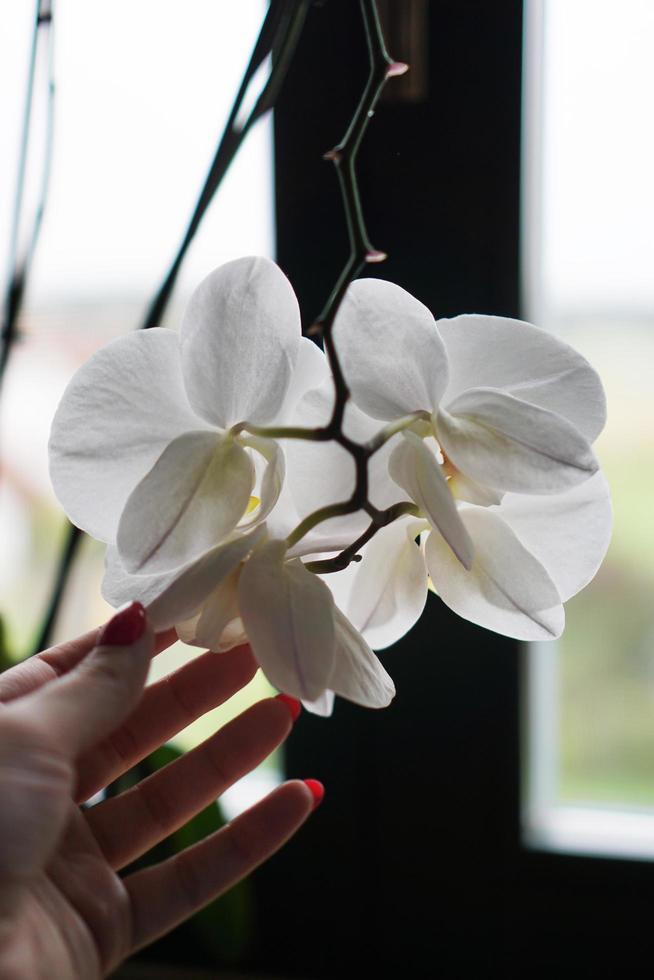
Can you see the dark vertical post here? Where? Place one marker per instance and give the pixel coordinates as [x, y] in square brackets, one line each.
[411, 862]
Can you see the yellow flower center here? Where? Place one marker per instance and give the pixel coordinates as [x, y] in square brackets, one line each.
[253, 503]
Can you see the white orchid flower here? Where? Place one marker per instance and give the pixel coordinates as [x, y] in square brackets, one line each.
[148, 454]
[511, 407]
[163, 448]
[142, 452]
[251, 589]
[500, 467]
[532, 553]
[306, 646]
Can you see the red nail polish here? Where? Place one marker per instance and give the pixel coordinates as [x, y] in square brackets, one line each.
[125, 627]
[317, 791]
[293, 705]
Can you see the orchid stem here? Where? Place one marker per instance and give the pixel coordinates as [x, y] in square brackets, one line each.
[317, 517]
[392, 429]
[280, 432]
[325, 433]
[344, 157]
[381, 519]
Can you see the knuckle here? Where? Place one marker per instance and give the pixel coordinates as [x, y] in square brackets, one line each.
[107, 671]
[124, 744]
[244, 842]
[189, 880]
[222, 773]
[158, 806]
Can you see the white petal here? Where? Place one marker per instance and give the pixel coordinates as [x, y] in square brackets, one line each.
[495, 352]
[358, 674]
[509, 444]
[463, 488]
[288, 615]
[284, 516]
[311, 371]
[175, 596]
[384, 594]
[117, 415]
[568, 533]
[272, 479]
[232, 636]
[120, 586]
[393, 357]
[220, 608]
[322, 706]
[199, 578]
[240, 338]
[507, 590]
[186, 630]
[192, 498]
[417, 470]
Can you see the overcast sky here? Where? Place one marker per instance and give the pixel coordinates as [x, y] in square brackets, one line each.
[142, 91]
[598, 155]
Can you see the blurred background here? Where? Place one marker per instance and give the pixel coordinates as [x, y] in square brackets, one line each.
[128, 159]
[588, 251]
[548, 213]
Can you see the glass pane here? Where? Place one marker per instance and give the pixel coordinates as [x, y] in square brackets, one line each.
[142, 93]
[589, 271]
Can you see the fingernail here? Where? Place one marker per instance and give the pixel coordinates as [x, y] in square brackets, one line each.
[125, 627]
[317, 791]
[293, 705]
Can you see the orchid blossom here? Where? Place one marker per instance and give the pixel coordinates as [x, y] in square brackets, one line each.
[513, 515]
[167, 447]
[146, 450]
[150, 452]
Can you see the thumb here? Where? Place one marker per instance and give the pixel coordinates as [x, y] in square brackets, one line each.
[97, 695]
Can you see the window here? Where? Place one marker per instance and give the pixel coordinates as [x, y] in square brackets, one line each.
[142, 93]
[589, 253]
[415, 864]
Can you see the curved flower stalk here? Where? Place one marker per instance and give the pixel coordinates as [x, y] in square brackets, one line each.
[515, 517]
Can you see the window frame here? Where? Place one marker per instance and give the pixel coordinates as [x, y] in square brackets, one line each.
[416, 863]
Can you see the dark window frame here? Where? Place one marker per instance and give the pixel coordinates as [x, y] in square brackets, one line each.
[414, 865]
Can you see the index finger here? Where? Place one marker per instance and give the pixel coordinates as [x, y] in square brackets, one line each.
[46, 666]
[84, 705]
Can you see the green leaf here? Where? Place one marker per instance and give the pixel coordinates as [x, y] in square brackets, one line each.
[5, 659]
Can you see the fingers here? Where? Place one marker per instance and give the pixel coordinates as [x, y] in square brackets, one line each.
[166, 708]
[164, 895]
[58, 660]
[128, 825]
[95, 696]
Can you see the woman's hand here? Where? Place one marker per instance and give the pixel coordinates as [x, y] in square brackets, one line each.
[71, 720]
